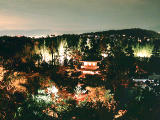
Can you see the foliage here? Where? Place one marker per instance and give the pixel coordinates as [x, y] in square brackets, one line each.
[31, 109]
[92, 80]
[118, 66]
[143, 103]
[92, 51]
[66, 109]
[55, 54]
[88, 112]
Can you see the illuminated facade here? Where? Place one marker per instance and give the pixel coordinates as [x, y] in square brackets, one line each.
[89, 67]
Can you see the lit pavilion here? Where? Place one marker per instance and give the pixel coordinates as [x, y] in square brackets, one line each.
[89, 67]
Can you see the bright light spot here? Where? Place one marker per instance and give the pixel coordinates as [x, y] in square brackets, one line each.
[89, 64]
[63, 52]
[143, 54]
[88, 43]
[43, 96]
[44, 51]
[143, 51]
[94, 64]
[88, 72]
[85, 63]
[46, 56]
[53, 90]
[104, 55]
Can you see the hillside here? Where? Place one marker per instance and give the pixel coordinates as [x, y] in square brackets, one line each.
[136, 32]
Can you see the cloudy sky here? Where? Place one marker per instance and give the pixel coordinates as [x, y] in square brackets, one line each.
[42, 17]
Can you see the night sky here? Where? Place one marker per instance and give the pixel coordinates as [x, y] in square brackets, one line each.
[42, 17]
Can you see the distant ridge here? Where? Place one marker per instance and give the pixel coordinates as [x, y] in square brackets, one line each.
[137, 32]
[134, 32]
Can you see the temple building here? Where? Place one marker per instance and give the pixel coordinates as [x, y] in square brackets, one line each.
[89, 67]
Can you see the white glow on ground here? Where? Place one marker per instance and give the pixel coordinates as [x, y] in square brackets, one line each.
[43, 96]
[46, 98]
[53, 90]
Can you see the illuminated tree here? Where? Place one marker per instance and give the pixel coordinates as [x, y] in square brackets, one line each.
[143, 50]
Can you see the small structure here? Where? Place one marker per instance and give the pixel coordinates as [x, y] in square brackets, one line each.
[142, 82]
[89, 67]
